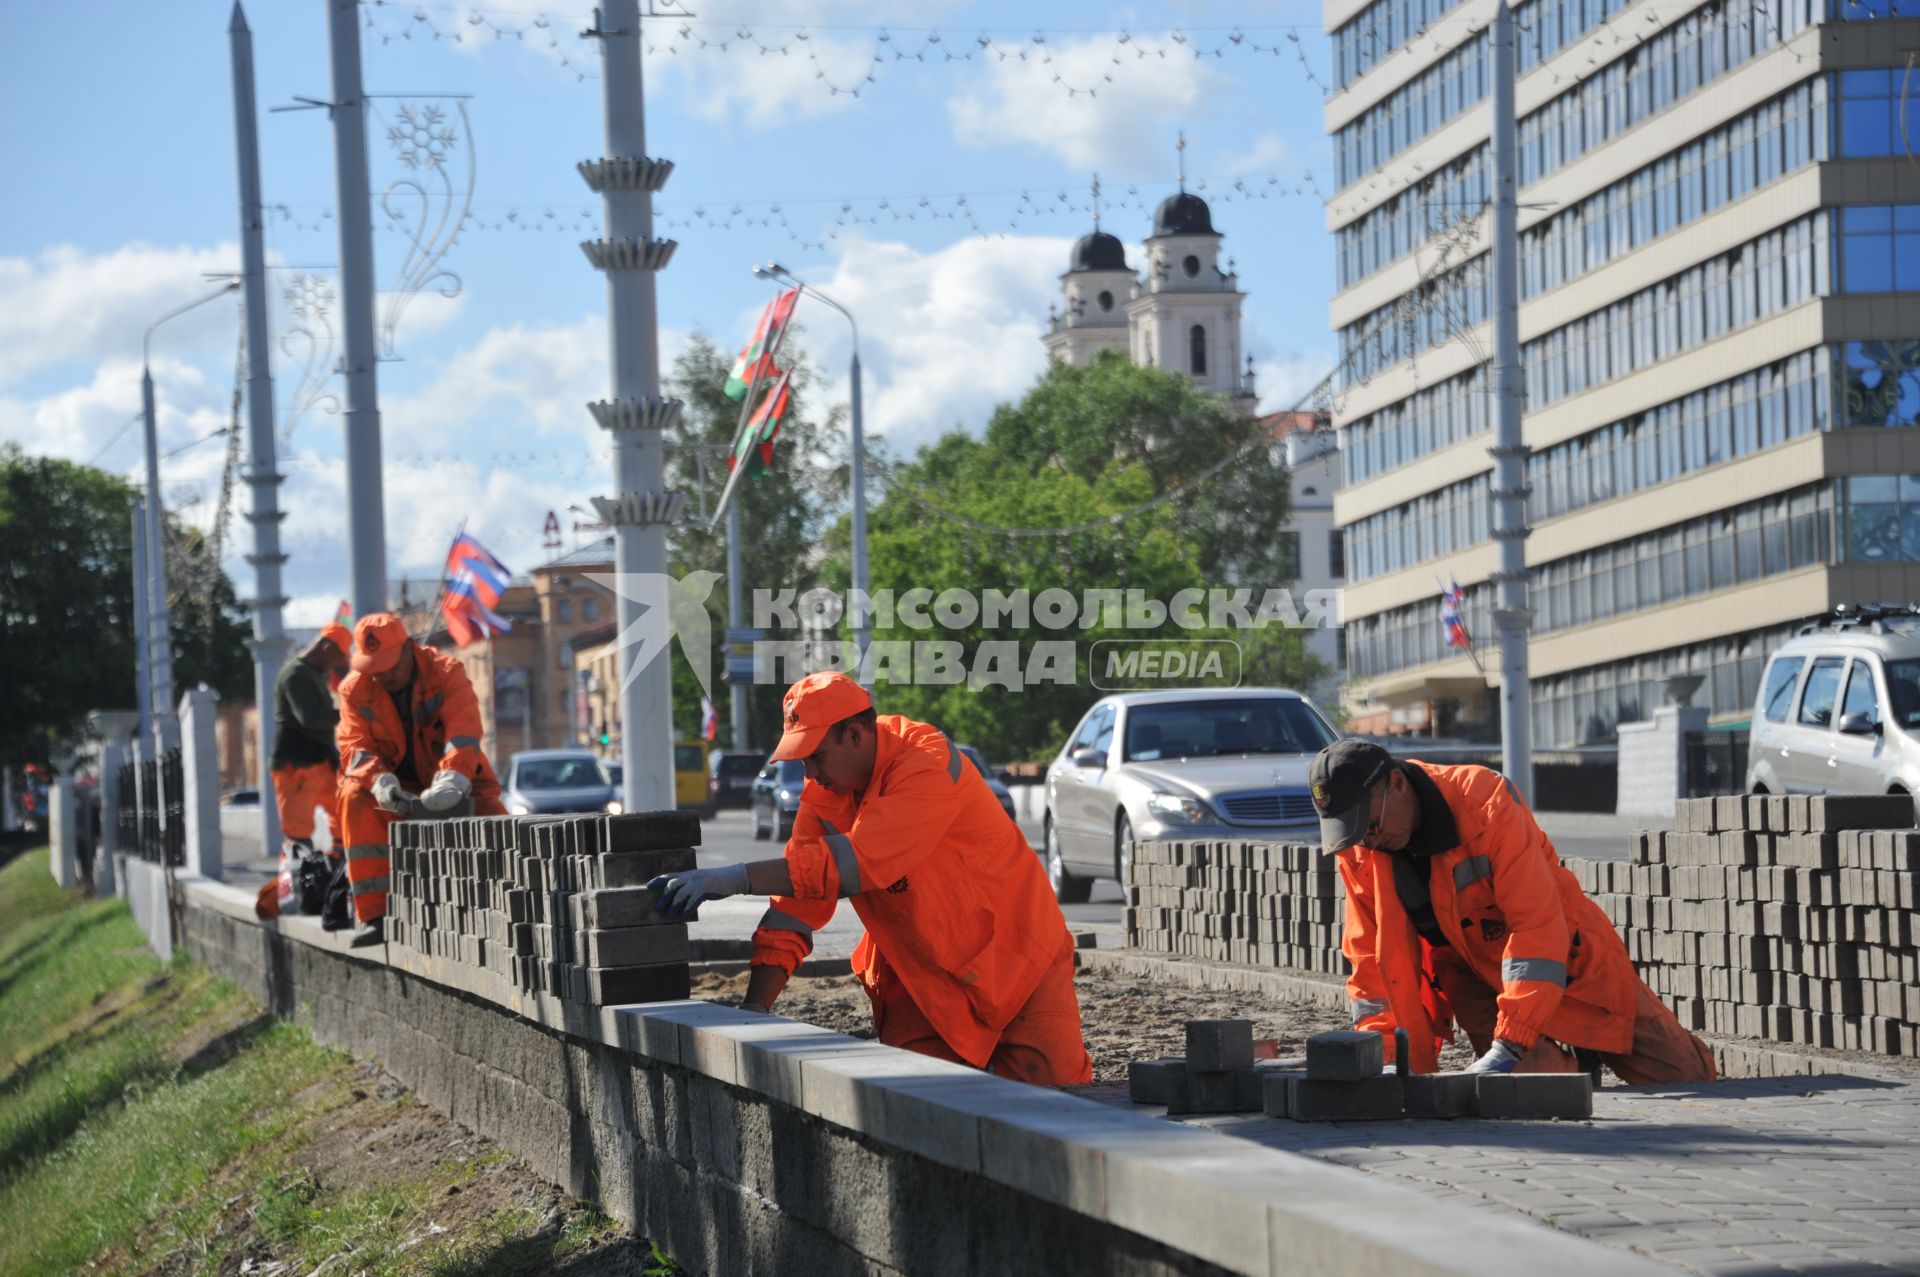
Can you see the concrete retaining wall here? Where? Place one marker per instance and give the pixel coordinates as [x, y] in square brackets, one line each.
[745, 1143]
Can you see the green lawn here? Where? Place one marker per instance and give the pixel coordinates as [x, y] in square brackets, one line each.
[153, 1120]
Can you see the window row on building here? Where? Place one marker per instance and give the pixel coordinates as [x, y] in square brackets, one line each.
[1377, 31]
[1659, 72]
[1778, 534]
[1736, 159]
[1857, 519]
[1429, 526]
[1743, 286]
[1587, 705]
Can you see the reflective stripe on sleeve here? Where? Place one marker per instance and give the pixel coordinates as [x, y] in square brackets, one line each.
[368, 885]
[463, 742]
[367, 850]
[366, 712]
[1364, 1007]
[843, 859]
[360, 757]
[953, 759]
[1470, 871]
[1545, 970]
[780, 920]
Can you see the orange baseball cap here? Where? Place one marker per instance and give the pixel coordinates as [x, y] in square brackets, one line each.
[339, 635]
[813, 705]
[377, 640]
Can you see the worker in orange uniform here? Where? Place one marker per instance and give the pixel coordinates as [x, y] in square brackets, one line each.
[966, 956]
[409, 725]
[305, 766]
[1458, 910]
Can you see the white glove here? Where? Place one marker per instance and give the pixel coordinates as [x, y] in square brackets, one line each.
[1500, 1058]
[390, 797]
[447, 790]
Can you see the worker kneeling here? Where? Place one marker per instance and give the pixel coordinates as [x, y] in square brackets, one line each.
[966, 955]
[409, 726]
[1458, 910]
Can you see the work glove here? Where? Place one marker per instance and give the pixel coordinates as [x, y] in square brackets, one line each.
[446, 791]
[1500, 1058]
[680, 895]
[390, 797]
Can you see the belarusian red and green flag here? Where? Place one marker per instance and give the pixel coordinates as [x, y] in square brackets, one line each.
[755, 445]
[756, 360]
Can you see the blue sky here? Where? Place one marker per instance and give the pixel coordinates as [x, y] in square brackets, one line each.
[123, 146]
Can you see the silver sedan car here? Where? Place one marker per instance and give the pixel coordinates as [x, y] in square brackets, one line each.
[1216, 763]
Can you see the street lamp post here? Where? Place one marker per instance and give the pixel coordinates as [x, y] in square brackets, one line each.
[862, 615]
[166, 723]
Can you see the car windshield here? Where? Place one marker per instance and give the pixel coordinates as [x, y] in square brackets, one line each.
[741, 764]
[1224, 728]
[1903, 691]
[559, 773]
[791, 772]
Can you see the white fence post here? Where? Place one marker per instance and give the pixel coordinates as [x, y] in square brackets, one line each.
[200, 772]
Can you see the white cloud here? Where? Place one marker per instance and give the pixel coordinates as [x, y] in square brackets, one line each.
[68, 306]
[1119, 120]
[99, 422]
[1269, 151]
[945, 335]
[1283, 380]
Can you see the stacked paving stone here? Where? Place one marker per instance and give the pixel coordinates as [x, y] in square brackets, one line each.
[1218, 1074]
[1789, 918]
[551, 904]
[1345, 1082]
[1256, 903]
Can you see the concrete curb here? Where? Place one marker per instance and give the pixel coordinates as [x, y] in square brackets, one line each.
[1211, 1199]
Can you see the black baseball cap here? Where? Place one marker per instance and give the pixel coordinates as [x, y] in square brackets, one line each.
[1341, 780]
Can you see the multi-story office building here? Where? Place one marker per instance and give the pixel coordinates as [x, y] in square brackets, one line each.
[1719, 322]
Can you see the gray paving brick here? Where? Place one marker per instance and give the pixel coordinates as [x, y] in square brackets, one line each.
[1218, 1045]
[1344, 1055]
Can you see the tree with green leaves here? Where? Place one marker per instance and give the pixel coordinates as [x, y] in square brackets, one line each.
[66, 607]
[1205, 497]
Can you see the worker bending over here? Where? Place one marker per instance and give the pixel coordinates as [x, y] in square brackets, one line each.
[305, 765]
[1458, 910]
[966, 956]
[409, 725]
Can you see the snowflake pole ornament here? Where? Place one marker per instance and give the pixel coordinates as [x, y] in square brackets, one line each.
[309, 342]
[425, 141]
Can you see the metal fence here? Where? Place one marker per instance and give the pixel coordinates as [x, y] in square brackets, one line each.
[156, 831]
[1716, 763]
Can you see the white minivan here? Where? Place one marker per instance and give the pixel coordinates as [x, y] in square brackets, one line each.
[1839, 707]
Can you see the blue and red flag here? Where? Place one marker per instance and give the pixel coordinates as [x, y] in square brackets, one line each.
[475, 583]
[1453, 603]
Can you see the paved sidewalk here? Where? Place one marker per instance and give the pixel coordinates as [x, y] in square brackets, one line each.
[1816, 1175]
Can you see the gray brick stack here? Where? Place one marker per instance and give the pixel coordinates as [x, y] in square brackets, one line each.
[551, 904]
[1261, 904]
[1789, 919]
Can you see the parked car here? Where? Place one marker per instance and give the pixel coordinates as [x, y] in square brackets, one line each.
[1839, 708]
[776, 798]
[542, 781]
[730, 779]
[998, 786]
[1215, 763]
[690, 777]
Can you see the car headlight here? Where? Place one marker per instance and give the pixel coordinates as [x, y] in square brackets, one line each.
[518, 808]
[613, 807]
[787, 795]
[1178, 809]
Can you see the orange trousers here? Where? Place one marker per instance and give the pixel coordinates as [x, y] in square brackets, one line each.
[1042, 1045]
[363, 827]
[1662, 1051]
[297, 791]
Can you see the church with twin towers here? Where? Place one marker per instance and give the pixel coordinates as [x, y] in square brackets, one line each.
[1180, 311]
